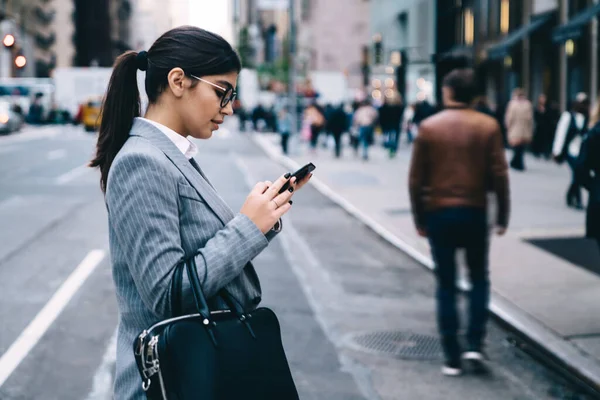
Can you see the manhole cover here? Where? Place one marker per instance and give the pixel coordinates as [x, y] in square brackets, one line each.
[400, 344]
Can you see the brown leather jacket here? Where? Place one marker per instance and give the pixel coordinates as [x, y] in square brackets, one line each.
[457, 158]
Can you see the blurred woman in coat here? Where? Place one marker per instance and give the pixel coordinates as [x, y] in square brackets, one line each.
[588, 169]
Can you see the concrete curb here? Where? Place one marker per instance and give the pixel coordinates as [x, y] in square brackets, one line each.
[568, 356]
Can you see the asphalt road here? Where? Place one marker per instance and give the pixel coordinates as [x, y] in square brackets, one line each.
[333, 283]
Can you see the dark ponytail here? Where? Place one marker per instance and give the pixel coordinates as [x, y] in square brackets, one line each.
[193, 49]
[121, 105]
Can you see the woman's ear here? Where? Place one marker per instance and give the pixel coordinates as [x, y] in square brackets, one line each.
[177, 81]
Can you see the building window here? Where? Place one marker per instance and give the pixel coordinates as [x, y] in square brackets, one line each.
[469, 26]
[504, 16]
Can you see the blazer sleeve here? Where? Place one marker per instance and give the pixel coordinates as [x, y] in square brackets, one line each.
[143, 206]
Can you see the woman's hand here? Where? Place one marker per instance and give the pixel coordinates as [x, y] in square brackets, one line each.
[264, 206]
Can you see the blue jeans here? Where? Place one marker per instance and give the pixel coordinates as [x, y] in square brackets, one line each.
[393, 137]
[449, 229]
[365, 137]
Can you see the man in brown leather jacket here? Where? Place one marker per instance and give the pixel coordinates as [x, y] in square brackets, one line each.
[457, 158]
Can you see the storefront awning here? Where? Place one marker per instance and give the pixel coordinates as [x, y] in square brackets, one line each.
[502, 49]
[574, 28]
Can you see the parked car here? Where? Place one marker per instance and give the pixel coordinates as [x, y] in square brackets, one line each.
[10, 121]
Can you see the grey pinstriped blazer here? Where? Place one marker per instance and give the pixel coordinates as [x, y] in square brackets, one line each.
[160, 212]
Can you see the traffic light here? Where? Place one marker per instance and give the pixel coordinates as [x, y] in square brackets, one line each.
[10, 43]
[20, 61]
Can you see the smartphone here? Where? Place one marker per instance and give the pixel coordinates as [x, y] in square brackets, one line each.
[299, 175]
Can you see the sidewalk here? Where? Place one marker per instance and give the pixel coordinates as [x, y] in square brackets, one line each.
[547, 298]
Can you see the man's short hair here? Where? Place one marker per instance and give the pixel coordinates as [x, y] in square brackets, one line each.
[463, 85]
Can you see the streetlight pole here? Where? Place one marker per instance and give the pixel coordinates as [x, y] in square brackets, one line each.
[292, 97]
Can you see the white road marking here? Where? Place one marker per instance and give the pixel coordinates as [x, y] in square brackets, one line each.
[56, 154]
[72, 174]
[102, 387]
[44, 319]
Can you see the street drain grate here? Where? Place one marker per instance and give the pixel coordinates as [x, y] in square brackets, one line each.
[403, 345]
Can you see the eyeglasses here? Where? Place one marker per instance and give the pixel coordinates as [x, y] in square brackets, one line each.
[228, 93]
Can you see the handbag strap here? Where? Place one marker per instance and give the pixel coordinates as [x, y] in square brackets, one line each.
[199, 298]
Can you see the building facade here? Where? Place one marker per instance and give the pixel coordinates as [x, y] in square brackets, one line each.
[331, 36]
[402, 45]
[544, 46]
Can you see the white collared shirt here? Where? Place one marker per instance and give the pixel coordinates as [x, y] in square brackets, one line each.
[184, 145]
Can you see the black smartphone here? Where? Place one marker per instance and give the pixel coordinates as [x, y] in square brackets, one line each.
[299, 175]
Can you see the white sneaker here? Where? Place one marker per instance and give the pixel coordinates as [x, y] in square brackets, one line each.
[476, 362]
[473, 355]
[451, 369]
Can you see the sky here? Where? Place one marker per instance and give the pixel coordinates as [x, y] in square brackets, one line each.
[212, 15]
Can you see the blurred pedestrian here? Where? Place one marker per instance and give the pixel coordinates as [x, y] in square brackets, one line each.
[338, 124]
[570, 130]
[588, 171]
[408, 124]
[390, 118]
[162, 210]
[35, 116]
[543, 127]
[259, 114]
[519, 127]
[423, 110]
[457, 157]
[481, 104]
[284, 127]
[365, 119]
[316, 120]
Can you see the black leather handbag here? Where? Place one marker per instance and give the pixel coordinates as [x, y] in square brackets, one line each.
[218, 355]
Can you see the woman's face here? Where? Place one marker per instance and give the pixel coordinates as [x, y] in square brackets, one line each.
[201, 106]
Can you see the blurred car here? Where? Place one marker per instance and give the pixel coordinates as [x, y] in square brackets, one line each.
[10, 121]
[89, 114]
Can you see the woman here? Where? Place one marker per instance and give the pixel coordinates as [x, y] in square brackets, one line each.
[570, 130]
[519, 127]
[545, 125]
[588, 166]
[316, 119]
[365, 118]
[161, 207]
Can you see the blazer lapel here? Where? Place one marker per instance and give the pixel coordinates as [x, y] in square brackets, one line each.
[198, 182]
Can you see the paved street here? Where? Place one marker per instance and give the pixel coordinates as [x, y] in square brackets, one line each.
[334, 284]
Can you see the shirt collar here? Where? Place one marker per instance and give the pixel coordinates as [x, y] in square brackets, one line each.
[188, 148]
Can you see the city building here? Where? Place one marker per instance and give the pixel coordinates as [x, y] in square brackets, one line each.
[402, 44]
[331, 37]
[543, 46]
[31, 23]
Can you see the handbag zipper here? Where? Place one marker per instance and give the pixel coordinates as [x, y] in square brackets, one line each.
[156, 361]
[162, 384]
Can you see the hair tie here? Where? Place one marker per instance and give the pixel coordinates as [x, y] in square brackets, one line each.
[142, 60]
